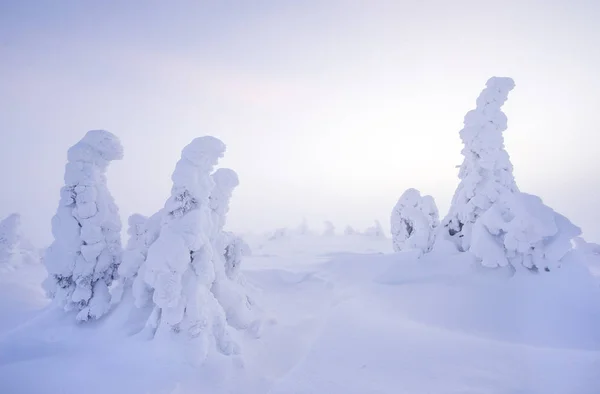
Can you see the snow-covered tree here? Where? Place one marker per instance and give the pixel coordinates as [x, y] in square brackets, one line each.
[228, 286]
[179, 269]
[486, 172]
[329, 229]
[303, 228]
[279, 233]
[349, 230]
[413, 221]
[14, 248]
[375, 231]
[85, 255]
[133, 255]
[518, 229]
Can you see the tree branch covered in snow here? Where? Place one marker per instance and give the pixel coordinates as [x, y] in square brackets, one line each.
[414, 220]
[86, 252]
[486, 171]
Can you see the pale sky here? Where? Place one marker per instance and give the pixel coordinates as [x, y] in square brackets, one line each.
[329, 109]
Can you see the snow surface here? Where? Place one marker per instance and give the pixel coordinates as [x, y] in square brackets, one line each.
[345, 316]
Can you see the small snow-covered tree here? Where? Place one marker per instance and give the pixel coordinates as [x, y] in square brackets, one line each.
[83, 259]
[349, 230]
[279, 233]
[375, 231]
[414, 221]
[303, 228]
[228, 286]
[179, 269]
[486, 171]
[518, 229]
[329, 229]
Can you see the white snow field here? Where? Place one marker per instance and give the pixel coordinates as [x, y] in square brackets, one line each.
[345, 315]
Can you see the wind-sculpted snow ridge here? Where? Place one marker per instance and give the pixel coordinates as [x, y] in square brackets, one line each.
[486, 171]
[414, 221]
[85, 255]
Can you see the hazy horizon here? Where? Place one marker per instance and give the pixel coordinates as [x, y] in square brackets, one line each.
[330, 110]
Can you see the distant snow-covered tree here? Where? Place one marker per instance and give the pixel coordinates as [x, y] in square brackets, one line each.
[413, 221]
[279, 233]
[518, 229]
[85, 255]
[14, 248]
[228, 286]
[486, 172]
[179, 269]
[329, 229]
[349, 230]
[375, 231]
[303, 228]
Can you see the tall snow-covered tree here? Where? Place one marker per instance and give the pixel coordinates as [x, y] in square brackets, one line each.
[413, 221]
[228, 286]
[486, 172]
[518, 229]
[179, 270]
[85, 255]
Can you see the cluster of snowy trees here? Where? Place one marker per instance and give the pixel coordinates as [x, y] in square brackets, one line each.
[488, 217]
[180, 268]
[329, 230]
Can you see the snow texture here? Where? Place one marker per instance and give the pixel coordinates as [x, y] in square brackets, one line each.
[414, 221]
[179, 269]
[85, 255]
[486, 172]
[518, 229]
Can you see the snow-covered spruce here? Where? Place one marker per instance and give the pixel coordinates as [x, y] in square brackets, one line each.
[179, 270]
[228, 286]
[486, 171]
[413, 222]
[83, 259]
[518, 229]
[329, 229]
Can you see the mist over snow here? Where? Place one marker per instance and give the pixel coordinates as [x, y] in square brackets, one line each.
[299, 197]
[317, 95]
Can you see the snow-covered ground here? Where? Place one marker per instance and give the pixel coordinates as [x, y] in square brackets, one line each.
[344, 315]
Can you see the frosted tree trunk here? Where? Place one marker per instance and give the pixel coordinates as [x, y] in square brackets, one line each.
[486, 172]
[85, 255]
